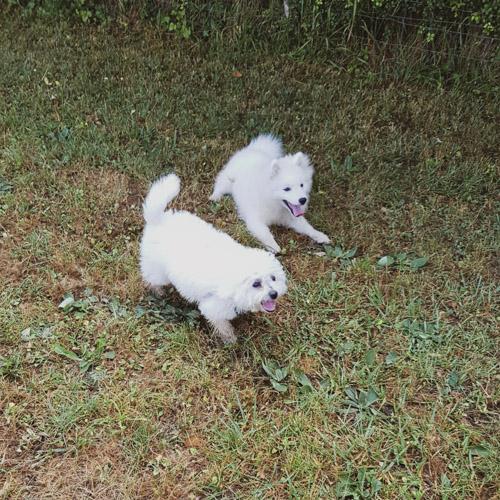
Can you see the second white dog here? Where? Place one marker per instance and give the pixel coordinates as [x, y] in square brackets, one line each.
[269, 188]
[205, 265]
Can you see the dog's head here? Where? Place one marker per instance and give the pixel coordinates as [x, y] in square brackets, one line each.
[263, 282]
[291, 181]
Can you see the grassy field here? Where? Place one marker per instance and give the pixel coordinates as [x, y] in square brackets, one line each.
[389, 380]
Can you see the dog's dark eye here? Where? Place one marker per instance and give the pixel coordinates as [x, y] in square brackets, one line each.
[257, 284]
[302, 185]
[273, 278]
[287, 189]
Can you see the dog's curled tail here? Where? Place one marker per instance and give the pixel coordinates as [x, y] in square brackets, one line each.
[161, 193]
[269, 144]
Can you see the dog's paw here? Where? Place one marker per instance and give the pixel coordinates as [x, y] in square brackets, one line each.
[274, 248]
[158, 291]
[321, 238]
[228, 338]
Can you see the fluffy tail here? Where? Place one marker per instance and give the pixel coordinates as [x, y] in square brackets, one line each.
[161, 193]
[269, 144]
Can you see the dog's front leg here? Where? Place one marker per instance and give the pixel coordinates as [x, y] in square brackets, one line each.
[301, 225]
[224, 330]
[262, 233]
[211, 310]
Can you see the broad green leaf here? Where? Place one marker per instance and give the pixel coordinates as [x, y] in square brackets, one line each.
[279, 387]
[62, 351]
[370, 357]
[479, 451]
[418, 263]
[391, 358]
[371, 397]
[304, 380]
[453, 379]
[270, 367]
[350, 253]
[109, 355]
[385, 261]
[26, 334]
[346, 347]
[348, 163]
[67, 301]
[85, 364]
[352, 394]
[280, 374]
[5, 187]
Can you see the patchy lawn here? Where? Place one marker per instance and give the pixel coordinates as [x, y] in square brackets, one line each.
[390, 380]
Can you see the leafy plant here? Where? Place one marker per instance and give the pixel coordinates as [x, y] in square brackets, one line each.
[391, 358]
[421, 333]
[5, 187]
[276, 375]
[402, 261]
[159, 309]
[175, 21]
[303, 380]
[363, 485]
[337, 253]
[361, 401]
[10, 366]
[89, 357]
[80, 307]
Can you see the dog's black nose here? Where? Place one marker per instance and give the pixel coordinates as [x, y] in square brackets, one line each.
[302, 201]
[273, 294]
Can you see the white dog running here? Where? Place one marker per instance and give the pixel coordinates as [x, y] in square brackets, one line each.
[269, 188]
[205, 265]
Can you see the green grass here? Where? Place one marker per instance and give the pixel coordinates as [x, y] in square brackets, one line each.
[391, 373]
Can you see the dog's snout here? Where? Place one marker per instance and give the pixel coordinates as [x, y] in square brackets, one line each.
[273, 294]
[302, 201]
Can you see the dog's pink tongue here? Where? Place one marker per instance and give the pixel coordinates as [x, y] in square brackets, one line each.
[297, 210]
[269, 305]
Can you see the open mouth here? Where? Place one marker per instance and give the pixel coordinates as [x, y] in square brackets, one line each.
[268, 305]
[297, 210]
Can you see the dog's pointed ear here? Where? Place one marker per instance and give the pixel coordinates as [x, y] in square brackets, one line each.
[301, 160]
[275, 168]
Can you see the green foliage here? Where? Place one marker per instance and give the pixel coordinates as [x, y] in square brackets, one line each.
[317, 18]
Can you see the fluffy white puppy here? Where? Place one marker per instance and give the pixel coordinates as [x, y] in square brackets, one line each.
[269, 188]
[205, 265]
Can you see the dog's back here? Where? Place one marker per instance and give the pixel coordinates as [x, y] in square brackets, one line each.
[245, 164]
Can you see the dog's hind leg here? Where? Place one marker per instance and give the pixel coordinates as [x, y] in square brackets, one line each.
[223, 185]
[154, 277]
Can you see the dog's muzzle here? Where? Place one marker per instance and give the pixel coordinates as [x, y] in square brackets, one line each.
[296, 210]
[269, 305]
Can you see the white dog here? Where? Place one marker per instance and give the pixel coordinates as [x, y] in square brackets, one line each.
[205, 265]
[269, 188]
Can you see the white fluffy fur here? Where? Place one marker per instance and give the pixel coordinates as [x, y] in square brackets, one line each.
[205, 265]
[256, 177]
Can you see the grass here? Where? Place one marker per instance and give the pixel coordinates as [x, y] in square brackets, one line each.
[391, 373]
